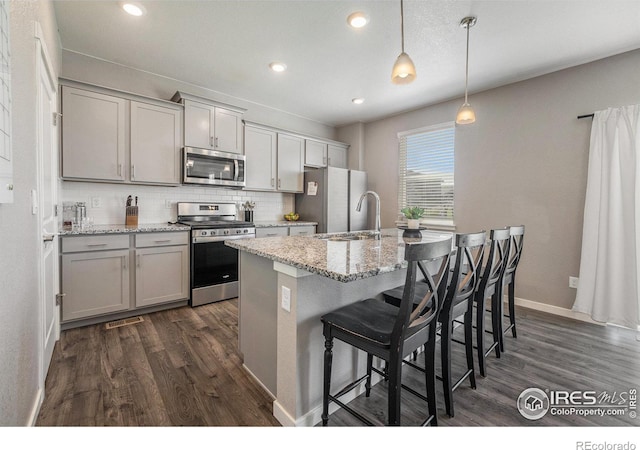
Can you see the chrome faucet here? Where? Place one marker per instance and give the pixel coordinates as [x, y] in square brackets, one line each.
[377, 197]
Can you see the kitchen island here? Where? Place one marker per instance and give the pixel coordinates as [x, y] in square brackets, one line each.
[286, 285]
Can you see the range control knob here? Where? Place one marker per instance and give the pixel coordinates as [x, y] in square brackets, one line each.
[226, 231]
[245, 231]
[204, 233]
[238, 231]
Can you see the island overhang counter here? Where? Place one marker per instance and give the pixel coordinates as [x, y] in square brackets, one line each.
[286, 285]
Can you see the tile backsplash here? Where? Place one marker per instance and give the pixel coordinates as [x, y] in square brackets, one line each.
[106, 202]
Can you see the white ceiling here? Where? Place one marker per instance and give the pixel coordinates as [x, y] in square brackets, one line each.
[227, 45]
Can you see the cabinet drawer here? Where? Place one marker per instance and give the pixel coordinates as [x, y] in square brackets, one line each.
[94, 243]
[162, 239]
[305, 230]
[272, 231]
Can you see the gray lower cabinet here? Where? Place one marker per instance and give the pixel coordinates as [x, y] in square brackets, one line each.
[107, 274]
[162, 274]
[304, 230]
[95, 275]
[272, 231]
[299, 230]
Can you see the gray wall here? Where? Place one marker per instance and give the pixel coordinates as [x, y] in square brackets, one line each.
[523, 161]
[80, 67]
[19, 244]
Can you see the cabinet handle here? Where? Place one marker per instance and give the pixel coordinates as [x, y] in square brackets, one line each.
[96, 245]
[272, 182]
[133, 171]
[272, 234]
[138, 260]
[210, 141]
[161, 241]
[119, 170]
[125, 260]
[279, 183]
[216, 142]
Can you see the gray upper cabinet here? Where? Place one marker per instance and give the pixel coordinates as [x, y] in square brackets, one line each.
[155, 144]
[290, 163]
[93, 135]
[315, 153]
[211, 125]
[198, 125]
[228, 128]
[119, 138]
[260, 149]
[337, 156]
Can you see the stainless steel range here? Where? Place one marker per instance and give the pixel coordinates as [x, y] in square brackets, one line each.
[214, 266]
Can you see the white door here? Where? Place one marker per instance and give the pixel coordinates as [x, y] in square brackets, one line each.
[45, 207]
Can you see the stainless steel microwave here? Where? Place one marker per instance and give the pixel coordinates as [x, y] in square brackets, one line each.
[202, 166]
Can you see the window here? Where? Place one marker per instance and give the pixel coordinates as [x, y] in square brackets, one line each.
[426, 164]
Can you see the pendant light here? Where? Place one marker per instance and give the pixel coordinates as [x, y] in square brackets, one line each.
[404, 72]
[466, 114]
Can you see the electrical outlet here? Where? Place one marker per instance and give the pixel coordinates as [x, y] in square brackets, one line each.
[573, 282]
[167, 204]
[96, 202]
[286, 299]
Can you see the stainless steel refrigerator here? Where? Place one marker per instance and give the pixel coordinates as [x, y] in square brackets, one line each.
[330, 198]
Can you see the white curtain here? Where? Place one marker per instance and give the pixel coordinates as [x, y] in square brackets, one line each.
[609, 282]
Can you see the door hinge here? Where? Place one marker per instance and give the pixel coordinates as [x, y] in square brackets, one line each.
[55, 118]
[59, 299]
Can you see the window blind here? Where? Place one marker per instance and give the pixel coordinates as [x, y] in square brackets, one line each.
[426, 164]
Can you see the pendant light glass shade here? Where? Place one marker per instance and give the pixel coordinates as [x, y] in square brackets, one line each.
[466, 114]
[404, 71]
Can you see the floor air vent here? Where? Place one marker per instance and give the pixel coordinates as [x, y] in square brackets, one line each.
[123, 322]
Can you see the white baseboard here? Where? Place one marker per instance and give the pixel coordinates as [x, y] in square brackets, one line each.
[314, 416]
[35, 410]
[556, 310]
[257, 380]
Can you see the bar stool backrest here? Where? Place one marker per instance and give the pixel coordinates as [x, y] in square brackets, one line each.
[515, 248]
[434, 255]
[466, 270]
[496, 261]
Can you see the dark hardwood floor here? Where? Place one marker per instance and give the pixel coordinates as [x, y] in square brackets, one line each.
[181, 367]
[178, 367]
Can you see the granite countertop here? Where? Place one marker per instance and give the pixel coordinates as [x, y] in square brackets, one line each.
[283, 223]
[341, 260]
[120, 229]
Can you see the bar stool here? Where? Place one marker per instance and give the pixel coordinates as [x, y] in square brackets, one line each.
[392, 333]
[490, 287]
[516, 234]
[459, 300]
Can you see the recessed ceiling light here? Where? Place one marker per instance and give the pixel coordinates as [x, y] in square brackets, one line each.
[278, 66]
[134, 9]
[357, 19]
[358, 100]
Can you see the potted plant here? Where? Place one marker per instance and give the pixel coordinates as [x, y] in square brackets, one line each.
[413, 215]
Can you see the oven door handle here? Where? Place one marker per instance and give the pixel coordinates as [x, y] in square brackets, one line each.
[236, 170]
[202, 240]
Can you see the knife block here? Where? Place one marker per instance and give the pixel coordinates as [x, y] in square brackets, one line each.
[132, 216]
